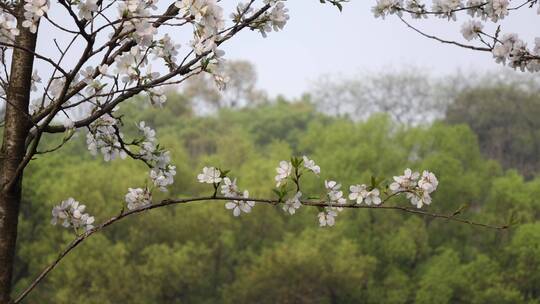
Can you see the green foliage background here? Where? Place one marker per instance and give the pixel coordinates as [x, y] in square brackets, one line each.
[200, 253]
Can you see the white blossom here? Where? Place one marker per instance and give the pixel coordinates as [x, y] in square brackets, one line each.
[102, 137]
[275, 19]
[229, 187]
[71, 213]
[240, 206]
[163, 177]
[497, 9]
[209, 175]
[310, 165]
[137, 198]
[327, 217]
[387, 7]
[33, 11]
[419, 198]
[405, 182]
[447, 8]
[471, 29]
[360, 193]
[334, 194]
[8, 27]
[157, 97]
[418, 188]
[357, 193]
[293, 203]
[283, 171]
[428, 182]
[372, 197]
[86, 8]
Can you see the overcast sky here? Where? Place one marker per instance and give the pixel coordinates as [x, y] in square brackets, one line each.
[320, 40]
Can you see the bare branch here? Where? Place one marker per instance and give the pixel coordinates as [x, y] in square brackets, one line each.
[467, 46]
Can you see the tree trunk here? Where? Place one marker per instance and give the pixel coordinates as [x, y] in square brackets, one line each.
[17, 126]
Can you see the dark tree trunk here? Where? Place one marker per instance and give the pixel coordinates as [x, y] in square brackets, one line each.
[17, 126]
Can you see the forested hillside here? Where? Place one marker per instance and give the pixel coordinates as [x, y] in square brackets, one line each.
[200, 253]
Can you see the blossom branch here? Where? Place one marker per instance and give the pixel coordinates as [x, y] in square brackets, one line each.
[168, 202]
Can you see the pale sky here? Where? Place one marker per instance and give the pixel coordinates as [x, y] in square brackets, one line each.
[318, 40]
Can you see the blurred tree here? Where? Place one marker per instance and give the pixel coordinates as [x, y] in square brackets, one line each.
[240, 90]
[504, 117]
[199, 254]
[307, 268]
[410, 96]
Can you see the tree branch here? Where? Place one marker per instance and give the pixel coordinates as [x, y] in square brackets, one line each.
[168, 202]
[467, 46]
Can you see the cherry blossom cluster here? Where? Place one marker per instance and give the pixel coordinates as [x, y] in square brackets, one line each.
[229, 189]
[138, 23]
[513, 51]
[71, 213]
[8, 27]
[137, 198]
[162, 172]
[363, 194]
[508, 49]
[95, 85]
[103, 136]
[327, 217]
[87, 8]
[214, 176]
[33, 11]
[275, 19]
[418, 188]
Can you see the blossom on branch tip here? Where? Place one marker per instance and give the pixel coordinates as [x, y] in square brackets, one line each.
[275, 19]
[33, 11]
[310, 165]
[71, 213]
[87, 8]
[418, 188]
[405, 182]
[471, 29]
[209, 175]
[387, 7]
[428, 182]
[283, 171]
